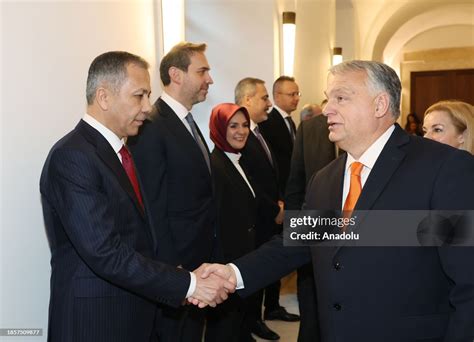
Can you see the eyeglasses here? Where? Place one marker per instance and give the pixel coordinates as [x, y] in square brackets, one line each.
[296, 93]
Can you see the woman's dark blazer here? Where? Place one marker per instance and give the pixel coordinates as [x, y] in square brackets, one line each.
[237, 208]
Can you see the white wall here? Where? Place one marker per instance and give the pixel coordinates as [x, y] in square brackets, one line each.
[240, 39]
[46, 50]
[243, 40]
[446, 36]
[315, 38]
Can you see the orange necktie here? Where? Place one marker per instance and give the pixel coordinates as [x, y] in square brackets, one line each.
[354, 189]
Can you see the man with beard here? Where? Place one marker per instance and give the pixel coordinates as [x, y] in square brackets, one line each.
[172, 159]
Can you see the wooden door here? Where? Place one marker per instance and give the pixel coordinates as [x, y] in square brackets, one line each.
[428, 87]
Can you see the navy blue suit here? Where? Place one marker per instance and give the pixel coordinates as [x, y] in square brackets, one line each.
[180, 192]
[372, 294]
[104, 281]
[179, 187]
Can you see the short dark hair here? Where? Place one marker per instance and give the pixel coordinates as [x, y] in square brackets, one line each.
[380, 77]
[246, 86]
[179, 57]
[279, 80]
[110, 68]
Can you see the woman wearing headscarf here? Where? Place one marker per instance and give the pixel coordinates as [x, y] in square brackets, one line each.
[451, 122]
[237, 208]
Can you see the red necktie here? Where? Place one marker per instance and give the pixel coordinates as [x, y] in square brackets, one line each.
[127, 163]
[354, 190]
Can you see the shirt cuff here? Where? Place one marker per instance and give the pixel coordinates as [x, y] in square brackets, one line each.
[192, 285]
[240, 281]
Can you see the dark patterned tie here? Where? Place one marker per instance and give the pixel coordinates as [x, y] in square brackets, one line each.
[129, 167]
[264, 144]
[292, 127]
[197, 138]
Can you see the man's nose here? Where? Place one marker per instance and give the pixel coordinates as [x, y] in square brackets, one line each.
[147, 107]
[209, 79]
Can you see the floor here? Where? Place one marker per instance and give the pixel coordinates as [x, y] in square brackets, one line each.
[288, 331]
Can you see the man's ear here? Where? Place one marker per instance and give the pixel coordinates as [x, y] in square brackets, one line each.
[247, 101]
[102, 97]
[176, 75]
[381, 103]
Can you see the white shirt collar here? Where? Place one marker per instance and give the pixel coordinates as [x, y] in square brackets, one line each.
[252, 125]
[234, 157]
[176, 106]
[370, 156]
[110, 136]
[281, 111]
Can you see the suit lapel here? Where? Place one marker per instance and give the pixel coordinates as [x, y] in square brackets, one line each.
[179, 130]
[336, 183]
[254, 144]
[234, 175]
[386, 165]
[281, 126]
[109, 157]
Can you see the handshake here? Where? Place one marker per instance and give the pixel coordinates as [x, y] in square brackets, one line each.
[214, 282]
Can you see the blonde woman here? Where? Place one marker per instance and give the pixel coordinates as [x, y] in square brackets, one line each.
[450, 122]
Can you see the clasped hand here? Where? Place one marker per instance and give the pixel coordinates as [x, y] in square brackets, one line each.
[214, 283]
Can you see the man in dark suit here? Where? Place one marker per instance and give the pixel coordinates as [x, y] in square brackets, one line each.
[172, 159]
[105, 279]
[312, 151]
[379, 293]
[280, 130]
[260, 162]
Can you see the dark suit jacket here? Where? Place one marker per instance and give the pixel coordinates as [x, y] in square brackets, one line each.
[393, 293]
[179, 189]
[103, 280]
[312, 151]
[275, 132]
[237, 208]
[265, 178]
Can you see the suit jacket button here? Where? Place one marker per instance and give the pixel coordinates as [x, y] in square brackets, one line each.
[338, 307]
[337, 266]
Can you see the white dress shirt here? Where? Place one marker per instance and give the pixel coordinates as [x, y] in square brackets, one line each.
[234, 158]
[110, 136]
[368, 158]
[180, 110]
[117, 144]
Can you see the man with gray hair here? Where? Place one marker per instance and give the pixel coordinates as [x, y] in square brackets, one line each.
[372, 294]
[309, 111]
[105, 278]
